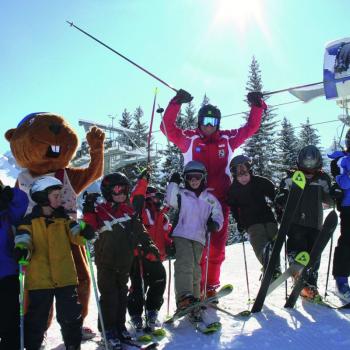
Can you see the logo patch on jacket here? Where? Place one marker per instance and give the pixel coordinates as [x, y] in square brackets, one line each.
[197, 149]
[221, 153]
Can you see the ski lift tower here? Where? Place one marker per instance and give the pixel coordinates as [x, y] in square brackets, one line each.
[121, 150]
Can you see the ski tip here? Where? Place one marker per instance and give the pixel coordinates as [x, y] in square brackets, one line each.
[245, 313]
[151, 346]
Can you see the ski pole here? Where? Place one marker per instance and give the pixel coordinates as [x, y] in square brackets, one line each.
[142, 277]
[285, 266]
[246, 268]
[92, 273]
[150, 128]
[22, 270]
[169, 284]
[122, 56]
[207, 265]
[329, 265]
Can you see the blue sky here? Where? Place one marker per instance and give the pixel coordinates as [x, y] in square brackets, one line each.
[203, 46]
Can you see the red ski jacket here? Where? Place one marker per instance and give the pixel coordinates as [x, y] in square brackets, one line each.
[214, 151]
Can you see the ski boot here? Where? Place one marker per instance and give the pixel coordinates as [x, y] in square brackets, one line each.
[309, 292]
[185, 301]
[73, 347]
[123, 333]
[113, 341]
[137, 323]
[152, 319]
[342, 285]
[87, 333]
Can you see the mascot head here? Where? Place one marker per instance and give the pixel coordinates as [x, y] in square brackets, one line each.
[42, 142]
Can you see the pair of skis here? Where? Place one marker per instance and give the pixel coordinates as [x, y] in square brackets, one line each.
[331, 221]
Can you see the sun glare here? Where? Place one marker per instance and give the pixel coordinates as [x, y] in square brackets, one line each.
[239, 13]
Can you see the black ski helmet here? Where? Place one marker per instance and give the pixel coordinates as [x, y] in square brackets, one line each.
[41, 187]
[195, 167]
[209, 111]
[240, 160]
[112, 180]
[347, 141]
[309, 158]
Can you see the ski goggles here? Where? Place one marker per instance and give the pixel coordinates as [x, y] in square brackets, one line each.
[120, 189]
[196, 176]
[209, 121]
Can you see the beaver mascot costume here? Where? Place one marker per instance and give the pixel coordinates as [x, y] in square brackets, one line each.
[44, 144]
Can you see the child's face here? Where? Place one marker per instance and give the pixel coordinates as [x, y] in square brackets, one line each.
[194, 179]
[243, 175]
[55, 198]
[119, 198]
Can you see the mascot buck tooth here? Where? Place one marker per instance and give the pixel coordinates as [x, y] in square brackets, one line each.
[44, 144]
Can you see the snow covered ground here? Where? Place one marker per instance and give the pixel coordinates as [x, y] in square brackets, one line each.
[307, 326]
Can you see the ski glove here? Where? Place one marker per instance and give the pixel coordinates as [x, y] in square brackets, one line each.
[175, 177]
[21, 253]
[182, 96]
[336, 192]
[89, 202]
[6, 196]
[212, 225]
[254, 98]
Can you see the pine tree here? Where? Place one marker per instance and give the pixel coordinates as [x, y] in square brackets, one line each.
[261, 146]
[205, 100]
[189, 119]
[126, 119]
[140, 128]
[308, 135]
[287, 147]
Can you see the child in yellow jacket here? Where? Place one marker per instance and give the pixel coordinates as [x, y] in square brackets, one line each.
[44, 238]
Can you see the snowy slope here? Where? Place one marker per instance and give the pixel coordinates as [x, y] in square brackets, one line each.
[308, 326]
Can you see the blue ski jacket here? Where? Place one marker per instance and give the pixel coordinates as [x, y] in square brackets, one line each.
[342, 160]
[10, 216]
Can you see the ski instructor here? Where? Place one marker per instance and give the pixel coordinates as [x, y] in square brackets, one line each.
[214, 148]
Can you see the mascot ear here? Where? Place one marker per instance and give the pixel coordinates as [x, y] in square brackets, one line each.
[9, 133]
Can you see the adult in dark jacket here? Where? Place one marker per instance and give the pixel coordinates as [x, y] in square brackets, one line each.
[307, 222]
[248, 198]
[340, 167]
[13, 205]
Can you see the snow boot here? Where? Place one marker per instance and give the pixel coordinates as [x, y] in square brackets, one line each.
[152, 319]
[123, 333]
[137, 322]
[342, 285]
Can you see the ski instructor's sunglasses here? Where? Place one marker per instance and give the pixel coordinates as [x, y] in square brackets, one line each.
[209, 121]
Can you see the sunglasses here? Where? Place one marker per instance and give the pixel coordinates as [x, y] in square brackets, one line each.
[117, 190]
[196, 176]
[210, 121]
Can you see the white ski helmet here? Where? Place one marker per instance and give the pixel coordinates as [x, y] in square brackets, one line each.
[41, 188]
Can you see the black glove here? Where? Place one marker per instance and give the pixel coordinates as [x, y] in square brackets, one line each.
[144, 174]
[88, 232]
[20, 253]
[6, 196]
[336, 192]
[138, 204]
[89, 202]
[254, 98]
[182, 96]
[175, 177]
[170, 251]
[240, 228]
[212, 225]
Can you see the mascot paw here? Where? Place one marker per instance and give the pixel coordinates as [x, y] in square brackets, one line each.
[95, 138]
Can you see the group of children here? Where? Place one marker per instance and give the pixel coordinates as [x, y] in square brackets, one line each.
[134, 237]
